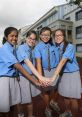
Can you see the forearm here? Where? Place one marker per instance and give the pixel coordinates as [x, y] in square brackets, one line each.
[32, 68]
[39, 66]
[24, 72]
[59, 67]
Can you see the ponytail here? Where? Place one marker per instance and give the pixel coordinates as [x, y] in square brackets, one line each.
[4, 40]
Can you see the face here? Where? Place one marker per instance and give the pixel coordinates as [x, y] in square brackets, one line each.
[45, 36]
[12, 38]
[31, 40]
[59, 38]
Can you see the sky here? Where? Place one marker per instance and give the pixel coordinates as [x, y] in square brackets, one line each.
[19, 13]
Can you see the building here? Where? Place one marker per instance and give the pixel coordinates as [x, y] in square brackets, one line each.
[74, 13]
[67, 17]
[22, 36]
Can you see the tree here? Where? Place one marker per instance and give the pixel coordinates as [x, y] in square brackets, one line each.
[76, 2]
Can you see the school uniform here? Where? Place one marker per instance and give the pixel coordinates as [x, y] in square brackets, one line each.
[9, 87]
[28, 89]
[70, 83]
[48, 55]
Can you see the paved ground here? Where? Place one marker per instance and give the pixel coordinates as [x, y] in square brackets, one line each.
[39, 106]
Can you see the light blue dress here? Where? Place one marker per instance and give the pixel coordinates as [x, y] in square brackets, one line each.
[70, 83]
[28, 89]
[9, 87]
[41, 51]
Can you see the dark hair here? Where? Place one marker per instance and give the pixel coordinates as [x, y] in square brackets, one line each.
[7, 32]
[45, 29]
[63, 32]
[65, 41]
[31, 32]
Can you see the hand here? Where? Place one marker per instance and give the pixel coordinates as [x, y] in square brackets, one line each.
[55, 77]
[37, 83]
[45, 81]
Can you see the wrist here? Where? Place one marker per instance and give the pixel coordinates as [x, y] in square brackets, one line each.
[55, 76]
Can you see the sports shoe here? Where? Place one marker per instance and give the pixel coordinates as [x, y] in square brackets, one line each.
[66, 114]
[21, 115]
[54, 106]
[48, 112]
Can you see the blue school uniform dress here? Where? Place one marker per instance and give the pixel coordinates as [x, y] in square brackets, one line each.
[48, 55]
[28, 90]
[70, 83]
[9, 87]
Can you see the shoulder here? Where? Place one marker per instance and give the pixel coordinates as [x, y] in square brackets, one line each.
[70, 46]
[23, 47]
[39, 45]
[4, 49]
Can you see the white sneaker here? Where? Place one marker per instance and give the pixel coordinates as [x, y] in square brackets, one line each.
[21, 115]
[54, 106]
[48, 112]
[66, 114]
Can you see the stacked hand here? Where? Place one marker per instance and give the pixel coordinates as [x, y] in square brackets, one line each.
[44, 82]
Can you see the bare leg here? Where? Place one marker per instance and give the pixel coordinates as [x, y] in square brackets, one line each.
[54, 95]
[30, 109]
[4, 114]
[20, 109]
[74, 107]
[7, 115]
[67, 104]
[46, 98]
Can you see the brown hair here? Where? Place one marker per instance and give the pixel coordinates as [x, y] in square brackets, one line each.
[65, 41]
[7, 31]
[45, 29]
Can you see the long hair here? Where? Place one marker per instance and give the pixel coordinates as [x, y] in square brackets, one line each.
[45, 29]
[31, 32]
[7, 31]
[65, 41]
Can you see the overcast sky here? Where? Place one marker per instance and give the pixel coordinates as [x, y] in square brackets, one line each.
[19, 13]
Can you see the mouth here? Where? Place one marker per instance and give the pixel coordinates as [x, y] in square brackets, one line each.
[14, 42]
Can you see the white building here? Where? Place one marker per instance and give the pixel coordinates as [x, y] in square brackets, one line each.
[74, 14]
[67, 17]
[21, 36]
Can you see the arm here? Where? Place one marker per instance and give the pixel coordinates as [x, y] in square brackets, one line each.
[32, 68]
[59, 68]
[38, 65]
[67, 55]
[19, 67]
[39, 69]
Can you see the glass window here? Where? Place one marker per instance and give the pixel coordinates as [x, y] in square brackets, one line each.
[79, 32]
[79, 48]
[68, 18]
[78, 15]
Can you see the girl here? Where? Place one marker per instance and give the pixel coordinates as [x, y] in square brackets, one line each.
[25, 56]
[9, 88]
[45, 54]
[70, 84]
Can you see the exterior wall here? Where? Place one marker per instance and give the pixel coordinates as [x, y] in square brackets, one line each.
[57, 18]
[70, 11]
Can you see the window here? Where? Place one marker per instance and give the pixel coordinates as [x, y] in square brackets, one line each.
[78, 15]
[38, 28]
[79, 32]
[68, 18]
[79, 48]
